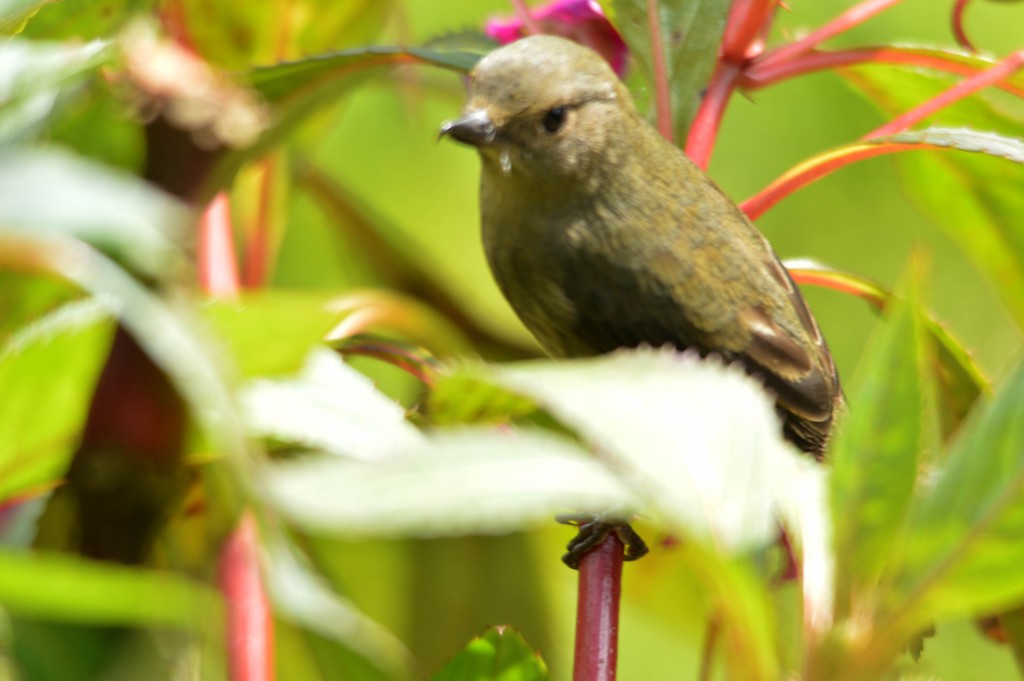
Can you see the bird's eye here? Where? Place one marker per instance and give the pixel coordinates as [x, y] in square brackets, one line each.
[554, 119]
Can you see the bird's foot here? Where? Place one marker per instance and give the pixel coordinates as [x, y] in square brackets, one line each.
[594, 528]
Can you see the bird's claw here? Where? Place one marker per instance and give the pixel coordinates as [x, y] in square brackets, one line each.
[594, 528]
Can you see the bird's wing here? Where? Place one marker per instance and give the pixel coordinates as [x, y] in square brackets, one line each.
[622, 309]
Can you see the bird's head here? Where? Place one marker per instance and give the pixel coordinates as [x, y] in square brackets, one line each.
[544, 107]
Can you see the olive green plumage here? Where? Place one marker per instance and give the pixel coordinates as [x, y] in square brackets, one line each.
[602, 234]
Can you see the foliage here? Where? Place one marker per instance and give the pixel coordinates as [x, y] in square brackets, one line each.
[314, 393]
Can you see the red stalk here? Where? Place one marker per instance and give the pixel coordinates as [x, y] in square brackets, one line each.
[957, 20]
[218, 273]
[257, 248]
[964, 88]
[816, 168]
[704, 130]
[845, 21]
[250, 633]
[597, 612]
[758, 76]
[662, 97]
[523, 12]
[747, 21]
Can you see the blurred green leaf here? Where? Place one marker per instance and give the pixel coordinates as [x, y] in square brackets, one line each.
[271, 332]
[25, 297]
[332, 407]
[962, 139]
[305, 600]
[452, 483]
[691, 31]
[975, 199]
[876, 452]
[47, 193]
[290, 80]
[163, 329]
[963, 542]
[64, 589]
[15, 13]
[298, 89]
[500, 654]
[959, 378]
[84, 19]
[37, 80]
[700, 440]
[467, 394]
[236, 35]
[41, 419]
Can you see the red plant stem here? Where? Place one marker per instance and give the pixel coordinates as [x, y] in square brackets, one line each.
[597, 612]
[704, 131]
[821, 279]
[957, 20]
[747, 21]
[964, 88]
[218, 273]
[845, 21]
[523, 12]
[757, 76]
[662, 96]
[257, 247]
[756, 205]
[250, 634]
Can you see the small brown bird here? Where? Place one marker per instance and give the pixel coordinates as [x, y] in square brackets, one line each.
[603, 235]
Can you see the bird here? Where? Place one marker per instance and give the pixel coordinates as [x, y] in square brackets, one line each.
[603, 235]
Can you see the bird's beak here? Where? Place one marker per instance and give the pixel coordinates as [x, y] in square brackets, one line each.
[475, 128]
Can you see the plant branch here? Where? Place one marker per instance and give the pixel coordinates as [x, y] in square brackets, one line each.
[757, 76]
[957, 21]
[816, 168]
[704, 131]
[845, 21]
[250, 630]
[597, 613]
[662, 96]
[218, 273]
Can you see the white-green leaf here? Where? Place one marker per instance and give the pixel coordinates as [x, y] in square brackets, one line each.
[332, 407]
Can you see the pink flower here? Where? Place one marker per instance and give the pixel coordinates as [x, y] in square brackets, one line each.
[580, 20]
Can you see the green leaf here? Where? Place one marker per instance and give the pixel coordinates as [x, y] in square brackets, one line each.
[84, 19]
[691, 31]
[299, 89]
[699, 440]
[877, 450]
[236, 35]
[47, 193]
[303, 598]
[959, 379]
[64, 589]
[452, 483]
[329, 406]
[271, 332]
[286, 81]
[41, 418]
[963, 544]
[976, 200]
[467, 394]
[165, 331]
[38, 79]
[501, 654]
[15, 13]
